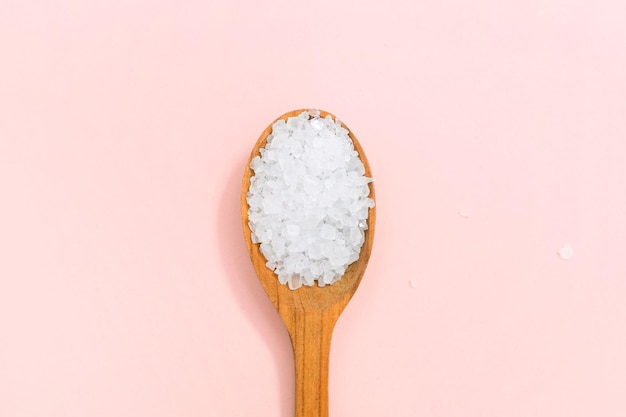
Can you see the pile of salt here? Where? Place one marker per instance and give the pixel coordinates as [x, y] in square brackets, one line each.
[308, 200]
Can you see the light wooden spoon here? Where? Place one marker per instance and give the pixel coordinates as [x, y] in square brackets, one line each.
[309, 313]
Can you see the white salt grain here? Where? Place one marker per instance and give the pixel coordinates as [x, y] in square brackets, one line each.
[308, 200]
[566, 252]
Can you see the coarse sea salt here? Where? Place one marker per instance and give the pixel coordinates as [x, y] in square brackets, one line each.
[566, 252]
[308, 200]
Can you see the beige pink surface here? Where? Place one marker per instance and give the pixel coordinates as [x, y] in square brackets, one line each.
[496, 131]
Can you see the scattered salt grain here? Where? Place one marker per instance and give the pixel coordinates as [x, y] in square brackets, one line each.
[308, 200]
[566, 252]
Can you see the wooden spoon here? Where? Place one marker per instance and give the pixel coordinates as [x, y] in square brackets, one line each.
[309, 313]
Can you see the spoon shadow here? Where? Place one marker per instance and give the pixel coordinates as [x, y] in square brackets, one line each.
[245, 287]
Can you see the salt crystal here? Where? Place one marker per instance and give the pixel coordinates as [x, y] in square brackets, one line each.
[328, 232]
[295, 282]
[314, 254]
[315, 113]
[356, 236]
[271, 206]
[566, 252]
[293, 230]
[317, 124]
[255, 163]
[308, 200]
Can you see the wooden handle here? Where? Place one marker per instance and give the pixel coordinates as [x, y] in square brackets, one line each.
[311, 333]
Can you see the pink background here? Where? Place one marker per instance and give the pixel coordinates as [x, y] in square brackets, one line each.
[125, 287]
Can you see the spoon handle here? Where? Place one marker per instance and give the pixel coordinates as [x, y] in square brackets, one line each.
[311, 333]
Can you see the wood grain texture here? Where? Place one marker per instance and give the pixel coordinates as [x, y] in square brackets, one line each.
[309, 313]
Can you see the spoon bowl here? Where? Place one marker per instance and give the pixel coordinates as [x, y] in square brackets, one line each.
[309, 313]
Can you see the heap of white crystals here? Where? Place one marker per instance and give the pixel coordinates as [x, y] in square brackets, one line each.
[308, 200]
